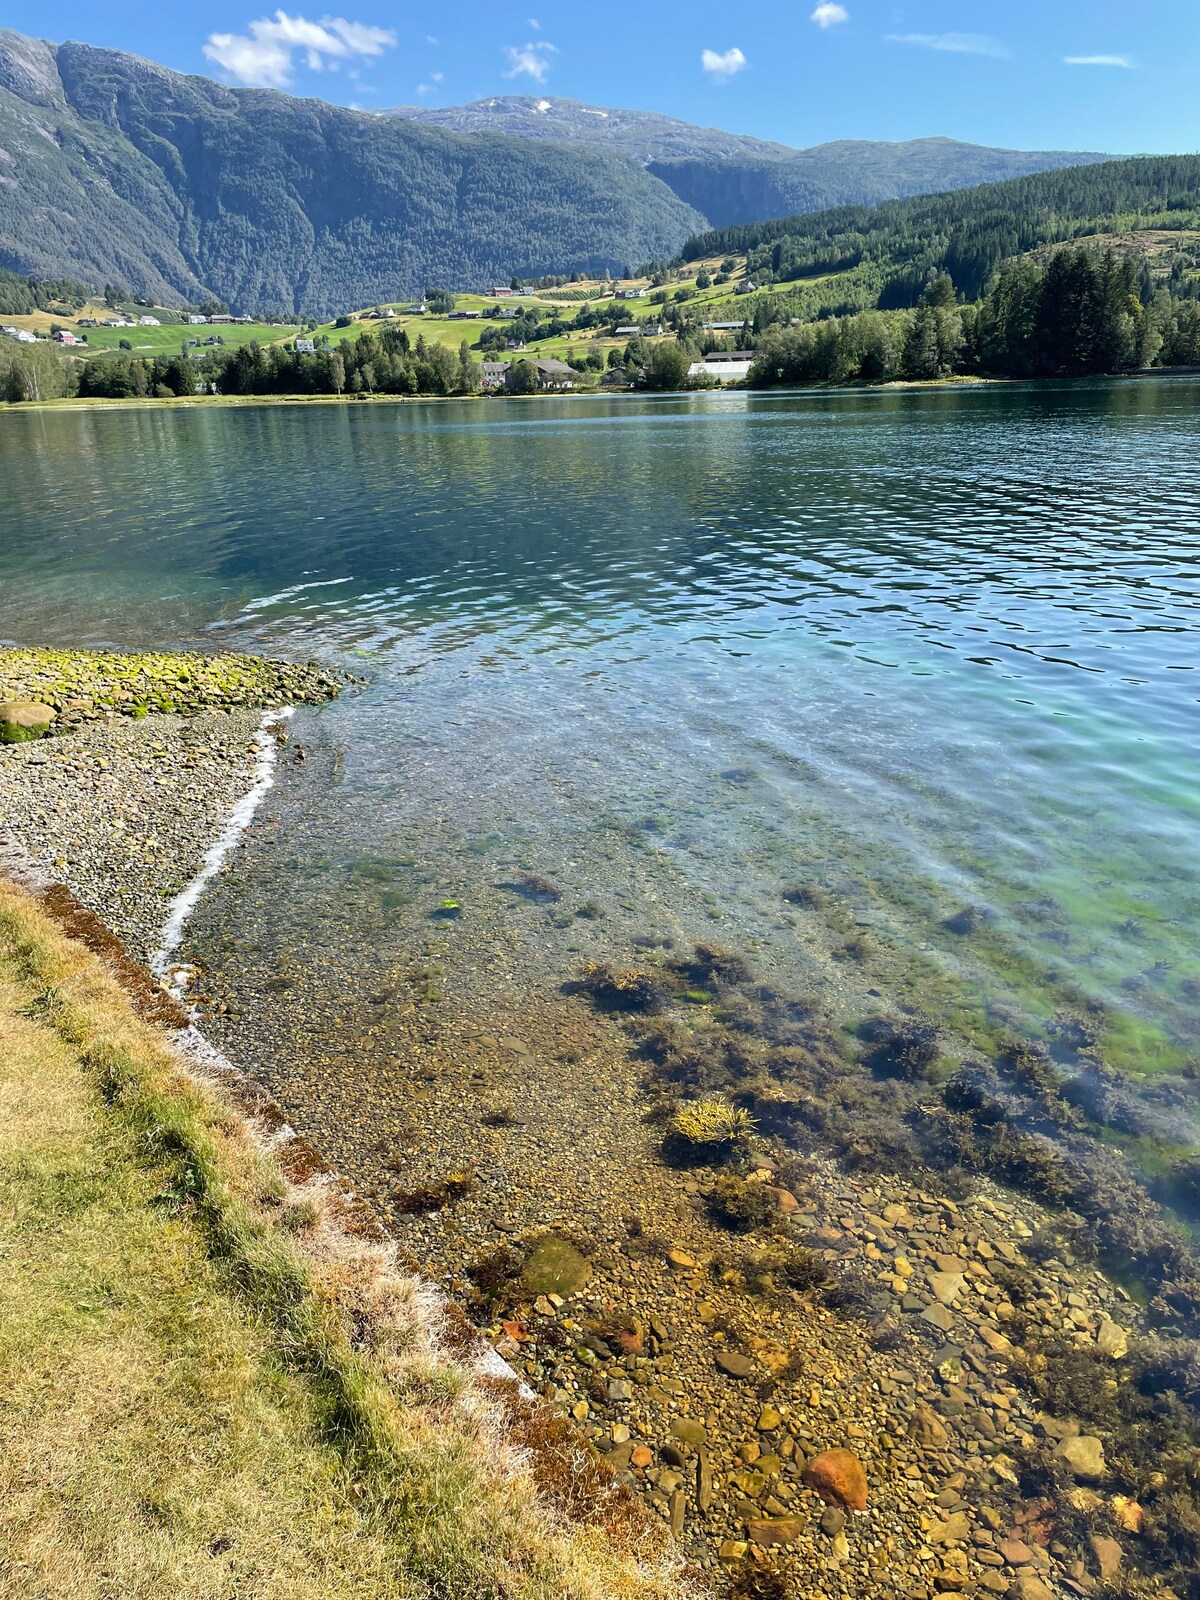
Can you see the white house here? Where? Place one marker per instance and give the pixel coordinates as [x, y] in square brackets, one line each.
[493, 374]
[630, 294]
[306, 347]
[149, 322]
[21, 335]
[196, 320]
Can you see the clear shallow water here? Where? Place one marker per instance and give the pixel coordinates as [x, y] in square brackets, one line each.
[923, 651]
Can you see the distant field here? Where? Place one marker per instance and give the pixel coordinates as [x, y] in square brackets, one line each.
[165, 340]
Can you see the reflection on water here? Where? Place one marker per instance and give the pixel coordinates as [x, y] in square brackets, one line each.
[928, 651]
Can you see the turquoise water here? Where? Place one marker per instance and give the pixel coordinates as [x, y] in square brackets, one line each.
[921, 651]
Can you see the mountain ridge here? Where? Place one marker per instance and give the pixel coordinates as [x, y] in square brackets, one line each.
[736, 178]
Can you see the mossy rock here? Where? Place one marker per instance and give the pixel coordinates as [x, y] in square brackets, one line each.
[21, 720]
[555, 1267]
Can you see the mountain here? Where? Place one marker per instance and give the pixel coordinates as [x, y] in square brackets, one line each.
[732, 178]
[113, 169]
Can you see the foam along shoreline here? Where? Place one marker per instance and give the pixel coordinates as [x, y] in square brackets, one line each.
[178, 975]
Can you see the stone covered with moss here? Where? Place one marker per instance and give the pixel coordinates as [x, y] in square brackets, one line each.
[81, 685]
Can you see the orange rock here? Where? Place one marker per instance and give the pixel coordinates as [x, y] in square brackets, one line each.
[839, 1478]
[642, 1456]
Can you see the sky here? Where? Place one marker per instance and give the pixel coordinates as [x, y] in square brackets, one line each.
[1112, 75]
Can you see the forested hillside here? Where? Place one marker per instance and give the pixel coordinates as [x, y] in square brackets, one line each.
[115, 169]
[884, 256]
[731, 178]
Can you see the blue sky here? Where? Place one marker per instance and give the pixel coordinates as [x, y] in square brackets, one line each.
[1117, 75]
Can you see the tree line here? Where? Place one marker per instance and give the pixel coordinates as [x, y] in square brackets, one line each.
[1079, 315]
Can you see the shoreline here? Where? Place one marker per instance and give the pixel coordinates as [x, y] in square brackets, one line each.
[732, 1482]
[199, 402]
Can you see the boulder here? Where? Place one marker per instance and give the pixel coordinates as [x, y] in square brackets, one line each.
[734, 1364]
[24, 719]
[1083, 1456]
[839, 1478]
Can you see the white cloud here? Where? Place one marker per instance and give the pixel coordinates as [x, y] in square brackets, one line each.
[530, 60]
[959, 44]
[437, 77]
[429, 39]
[722, 67]
[828, 15]
[535, 24]
[1099, 61]
[266, 54]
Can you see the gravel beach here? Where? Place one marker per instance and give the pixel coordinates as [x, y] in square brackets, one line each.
[123, 810]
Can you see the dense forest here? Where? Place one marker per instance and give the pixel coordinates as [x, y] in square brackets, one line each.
[19, 296]
[182, 189]
[1082, 314]
[859, 258]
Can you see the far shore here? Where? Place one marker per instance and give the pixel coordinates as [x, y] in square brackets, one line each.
[186, 402]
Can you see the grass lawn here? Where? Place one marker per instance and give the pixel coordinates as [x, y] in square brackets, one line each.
[208, 1388]
[161, 341]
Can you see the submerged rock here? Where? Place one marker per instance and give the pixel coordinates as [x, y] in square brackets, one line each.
[1083, 1456]
[555, 1266]
[839, 1478]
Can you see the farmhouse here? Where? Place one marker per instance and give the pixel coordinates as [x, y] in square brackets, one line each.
[494, 373]
[65, 336]
[630, 294]
[499, 292]
[306, 347]
[196, 320]
[553, 374]
[149, 322]
[724, 327]
[21, 335]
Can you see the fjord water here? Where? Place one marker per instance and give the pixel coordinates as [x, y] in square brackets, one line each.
[919, 653]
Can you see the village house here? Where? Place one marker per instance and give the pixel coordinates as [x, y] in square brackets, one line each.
[493, 374]
[630, 294]
[196, 320]
[65, 336]
[724, 327]
[21, 335]
[88, 322]
[149, 322]
[222, 319]
[306, 347]
[630, 330]
[551, 374]
[499, 292]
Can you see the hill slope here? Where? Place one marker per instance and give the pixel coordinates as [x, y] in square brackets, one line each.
[732, 178]
[113, 168]
[857, 256]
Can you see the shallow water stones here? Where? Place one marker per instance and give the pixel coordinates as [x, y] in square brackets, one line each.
[555, 1266]
[1083, 1455]
[21, 720]
[734, 1364]
[839, 1477]
[767, 1532]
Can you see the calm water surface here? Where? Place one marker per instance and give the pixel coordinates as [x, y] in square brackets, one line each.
[919, 651]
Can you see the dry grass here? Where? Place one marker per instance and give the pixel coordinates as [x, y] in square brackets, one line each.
[208, 1387]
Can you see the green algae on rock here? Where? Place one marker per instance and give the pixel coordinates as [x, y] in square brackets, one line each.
[80, 685]
[22, 720]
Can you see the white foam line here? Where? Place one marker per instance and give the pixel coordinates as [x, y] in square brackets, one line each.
[239, 819]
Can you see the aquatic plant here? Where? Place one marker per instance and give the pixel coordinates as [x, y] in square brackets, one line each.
[900, 1047]
[739, 1203]
[621, 989]
[532, 887]
[712, 1125]
[434, 1196]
